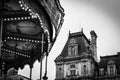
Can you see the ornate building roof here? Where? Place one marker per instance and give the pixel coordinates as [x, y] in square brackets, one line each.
[106, 59]
[83, 47]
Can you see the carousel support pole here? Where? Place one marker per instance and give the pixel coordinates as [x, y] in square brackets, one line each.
[1, 31]
[31, 65]
[41, 56]
[45, 75]
[30, 73]
[1, 37]
[40, 69]
[1, 28]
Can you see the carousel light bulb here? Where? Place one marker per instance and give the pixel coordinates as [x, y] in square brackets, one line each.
[8, 37]
[28, 17]
[26, 7]
[18, 18]
[26, 39]
[11, 18]
[32, 40]
[39, 19]
[17, 38]
[4, 19]
[23, 8]
[8, 19]
[8, 50]
[25, 17]
[20, 2]
[32, 16]
[29, 10]
[15, 18]
[22, 18]
[35, 16]
[41, 25]
[21, 5]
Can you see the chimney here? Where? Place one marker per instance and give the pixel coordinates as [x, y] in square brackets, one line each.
[94, 44]
[93, 37]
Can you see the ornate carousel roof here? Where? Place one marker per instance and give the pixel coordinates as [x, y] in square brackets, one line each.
[28, 30]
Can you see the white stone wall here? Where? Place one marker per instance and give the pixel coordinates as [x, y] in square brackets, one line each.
[79, 67]
[60, 70]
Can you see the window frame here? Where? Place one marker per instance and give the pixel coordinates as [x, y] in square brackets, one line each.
[73, 49]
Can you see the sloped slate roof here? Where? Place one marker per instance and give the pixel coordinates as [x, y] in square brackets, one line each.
[105, 59]
[80, 39]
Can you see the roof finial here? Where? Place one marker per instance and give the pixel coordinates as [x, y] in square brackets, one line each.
[69, 31]
[81, 29]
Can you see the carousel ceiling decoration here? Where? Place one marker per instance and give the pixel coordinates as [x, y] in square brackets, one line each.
[27, 27]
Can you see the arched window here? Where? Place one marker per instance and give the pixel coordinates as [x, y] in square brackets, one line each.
[72, 70]
[111, 67]
[101, 71]
[111, 70]
[84, 69]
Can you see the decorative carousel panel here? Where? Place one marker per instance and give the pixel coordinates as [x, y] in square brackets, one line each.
[12, 5]
[56, 13]
[21, 45]
[8, 56]
[26, 27]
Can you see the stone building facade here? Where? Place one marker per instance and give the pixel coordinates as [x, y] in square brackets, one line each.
[78, 58]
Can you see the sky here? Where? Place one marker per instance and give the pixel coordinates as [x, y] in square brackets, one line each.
[102, 16]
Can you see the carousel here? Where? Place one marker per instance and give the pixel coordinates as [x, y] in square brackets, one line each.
[28, 30]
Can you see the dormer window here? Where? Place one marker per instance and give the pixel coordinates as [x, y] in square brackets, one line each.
[72, 48]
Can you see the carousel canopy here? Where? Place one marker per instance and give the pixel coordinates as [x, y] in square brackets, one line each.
[28, 30]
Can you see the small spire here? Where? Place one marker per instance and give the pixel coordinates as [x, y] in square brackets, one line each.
[69, 32]
[81, 29]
